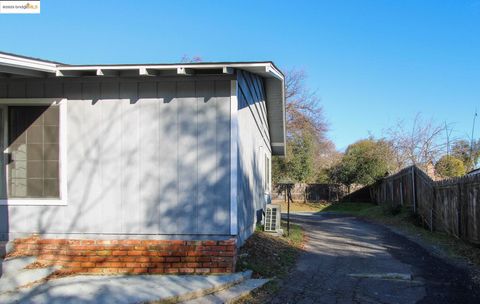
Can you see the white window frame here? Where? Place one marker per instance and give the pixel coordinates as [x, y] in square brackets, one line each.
[62, 103]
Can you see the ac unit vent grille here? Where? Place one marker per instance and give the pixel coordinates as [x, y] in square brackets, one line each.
[272, 218]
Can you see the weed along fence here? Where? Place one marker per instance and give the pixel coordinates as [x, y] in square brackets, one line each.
[452, 206]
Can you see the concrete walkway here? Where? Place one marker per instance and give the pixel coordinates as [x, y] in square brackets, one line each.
[348, 260]
[122, 289]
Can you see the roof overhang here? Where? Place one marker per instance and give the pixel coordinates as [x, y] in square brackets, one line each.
[14, 66]
[264, 69]
[18, 66]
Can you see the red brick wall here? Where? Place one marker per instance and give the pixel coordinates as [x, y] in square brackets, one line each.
[131, 256]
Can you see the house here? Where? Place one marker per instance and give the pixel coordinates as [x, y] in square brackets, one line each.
[170, 163]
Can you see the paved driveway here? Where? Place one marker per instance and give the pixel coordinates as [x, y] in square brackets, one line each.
[348, 260]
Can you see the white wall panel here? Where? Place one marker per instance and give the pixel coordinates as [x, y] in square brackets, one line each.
[145, 156]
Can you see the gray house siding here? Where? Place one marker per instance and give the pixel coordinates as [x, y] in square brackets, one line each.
[146, 156]
[253, 146]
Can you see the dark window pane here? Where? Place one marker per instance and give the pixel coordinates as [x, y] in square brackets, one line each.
[51, 116]
[34, 151]
[51, 134]
[33, 136]
[35, 187]
[50, 151]
[35, 169]
[51, 169]
[51, 188]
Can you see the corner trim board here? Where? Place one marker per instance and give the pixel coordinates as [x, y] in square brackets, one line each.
[233, 157]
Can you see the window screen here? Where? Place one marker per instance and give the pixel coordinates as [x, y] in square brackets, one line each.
[33, 160]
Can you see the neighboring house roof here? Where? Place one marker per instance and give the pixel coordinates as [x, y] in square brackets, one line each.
[13, 65]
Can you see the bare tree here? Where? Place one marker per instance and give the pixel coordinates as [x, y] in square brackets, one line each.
[419, 145]
[303, 110]
[327, 155]
[188, 59]
[306, 128]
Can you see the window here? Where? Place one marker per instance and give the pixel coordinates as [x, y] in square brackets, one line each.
[32, 155]
[33, 152]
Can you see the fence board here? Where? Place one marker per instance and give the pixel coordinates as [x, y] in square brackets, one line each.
[311, 192]
[451, 205]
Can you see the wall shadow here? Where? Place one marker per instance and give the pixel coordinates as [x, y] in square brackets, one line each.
[254, 145]
[192, 203]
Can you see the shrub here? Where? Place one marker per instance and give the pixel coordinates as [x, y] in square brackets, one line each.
[450, 166]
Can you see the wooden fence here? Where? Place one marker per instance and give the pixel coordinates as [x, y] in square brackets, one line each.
[452, 206]
[310, 192]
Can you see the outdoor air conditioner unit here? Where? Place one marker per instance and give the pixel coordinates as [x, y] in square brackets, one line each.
[272, 218]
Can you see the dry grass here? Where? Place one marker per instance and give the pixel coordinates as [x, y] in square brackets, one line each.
[269, 256]
[303, 207]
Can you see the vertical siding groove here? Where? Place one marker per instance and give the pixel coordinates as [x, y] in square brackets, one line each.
[122, 170]
[197, 198]
[159, 143]
[141, 216]
[258, 85]
[111, 194]
[247, 99]
[217, 161]
[177, 140]
[251, 83]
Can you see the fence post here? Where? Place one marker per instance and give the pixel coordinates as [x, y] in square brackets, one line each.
[391, 191]
[288, 208]
[459, 210]
[458, 222]
[414, 192]
[434, 203]
[401, 193]
[431, 219]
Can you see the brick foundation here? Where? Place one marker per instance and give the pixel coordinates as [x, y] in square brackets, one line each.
[131, 256]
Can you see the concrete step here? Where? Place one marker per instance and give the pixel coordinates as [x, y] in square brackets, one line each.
[123, 289]
[231, 294]
[14, 274]
[237, 278]
[10, 267]
[11, 281]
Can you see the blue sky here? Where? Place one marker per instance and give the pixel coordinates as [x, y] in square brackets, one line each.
[371, 62]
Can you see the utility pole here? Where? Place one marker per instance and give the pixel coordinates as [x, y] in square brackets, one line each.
[473, 139]
[448, 139]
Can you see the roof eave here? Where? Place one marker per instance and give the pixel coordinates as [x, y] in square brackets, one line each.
[26, 67]
[264, 69]
[21, 66]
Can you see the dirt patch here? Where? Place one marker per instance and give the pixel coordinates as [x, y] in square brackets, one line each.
[269, 256]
